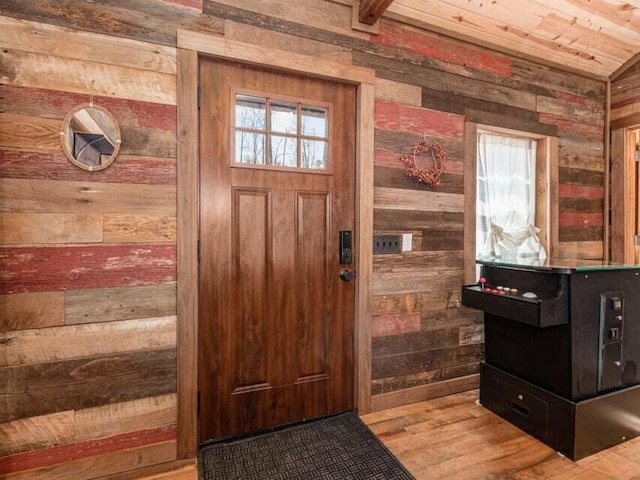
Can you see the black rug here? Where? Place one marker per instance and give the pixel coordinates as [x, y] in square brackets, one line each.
[338, 447]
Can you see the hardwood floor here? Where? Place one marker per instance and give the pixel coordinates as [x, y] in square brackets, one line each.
[453, 438]
[184, 473]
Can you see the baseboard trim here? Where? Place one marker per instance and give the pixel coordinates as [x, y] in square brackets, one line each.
[424, 392]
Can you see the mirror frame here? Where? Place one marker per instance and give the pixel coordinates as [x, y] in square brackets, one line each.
[67, 150]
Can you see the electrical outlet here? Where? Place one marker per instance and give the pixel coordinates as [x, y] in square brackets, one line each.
[387, 244]
[407, 242]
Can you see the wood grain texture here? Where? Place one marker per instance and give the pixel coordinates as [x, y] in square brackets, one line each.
[333, 18]
[395, 177]
[23, 311]
[138, 19]
[139, 229]
[395, 324]
[581, 191]
[423, 392]
[403, 343]
[75, 44]
[124, 303]
[392, 219]
[590, 250]
[419, 361]
[131, 416]
[55, 104]
[370, 11]
[42, 196]
[187, 219]
[437, 424]
[38, 70]
[430, 377]
[189, 472]
[48, 345]
[54, 165]
[244, 32]
[364, 217]
[35, 433]
[400, 142]
[421, 74]
[71, 427]
[29, 132]
[398, 92]
[43, 228]
[37, 269]
[400, 199]
[85, 382]
[95, 457]
[434, 46]
[292, 62]
[393, 116]
[437, 279]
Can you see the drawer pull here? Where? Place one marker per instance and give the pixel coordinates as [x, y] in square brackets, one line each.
[520, 410]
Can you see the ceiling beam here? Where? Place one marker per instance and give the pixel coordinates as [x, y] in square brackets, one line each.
[371, 10]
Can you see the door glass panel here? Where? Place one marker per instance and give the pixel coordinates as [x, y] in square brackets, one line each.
[284, 151]
[314, 154]
[280, 132]
[250, 148]
[284, 117]
[251, 112]
[314, 122]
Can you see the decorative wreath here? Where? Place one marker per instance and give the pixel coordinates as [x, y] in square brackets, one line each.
[430, 176]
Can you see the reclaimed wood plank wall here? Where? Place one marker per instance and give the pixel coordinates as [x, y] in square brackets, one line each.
[87, 274]
[88, 260]
[625, 99]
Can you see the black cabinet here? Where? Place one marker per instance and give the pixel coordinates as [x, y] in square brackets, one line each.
[559, 337]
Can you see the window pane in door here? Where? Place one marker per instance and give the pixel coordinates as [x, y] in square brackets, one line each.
[314, 154]
[250, 148]
[284, 117]
[251, 112]
[284, 151]
[314, 122]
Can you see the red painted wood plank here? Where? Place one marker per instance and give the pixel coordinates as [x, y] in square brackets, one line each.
[47, 165]
[396, 324]
[580, 191]
[386, 158]
[44, 269]
[573, 126]
[580, 219]
[405, 118]
[440, 48]
[64, 453]
[56, 104]
[187, 3]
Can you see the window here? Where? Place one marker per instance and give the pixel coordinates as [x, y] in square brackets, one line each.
[505, 196]
[280, 133]
[511, 181]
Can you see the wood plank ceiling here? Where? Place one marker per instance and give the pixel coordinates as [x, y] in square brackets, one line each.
[595, 37]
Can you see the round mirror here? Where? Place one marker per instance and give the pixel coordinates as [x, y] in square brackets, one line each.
[90, 137]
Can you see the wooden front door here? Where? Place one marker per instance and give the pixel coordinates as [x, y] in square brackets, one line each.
[277, 166]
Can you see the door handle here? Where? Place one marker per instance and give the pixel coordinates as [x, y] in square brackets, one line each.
[346, 275]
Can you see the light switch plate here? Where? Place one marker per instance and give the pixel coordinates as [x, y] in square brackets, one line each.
[407, 242]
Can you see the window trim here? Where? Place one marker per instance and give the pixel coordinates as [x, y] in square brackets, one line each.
[546, 189]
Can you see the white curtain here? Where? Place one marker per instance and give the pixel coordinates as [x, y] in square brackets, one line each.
[506, 197]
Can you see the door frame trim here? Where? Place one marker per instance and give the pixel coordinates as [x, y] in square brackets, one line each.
[191, 45]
